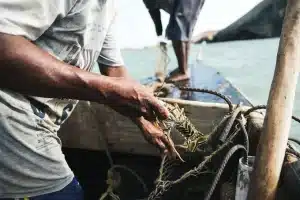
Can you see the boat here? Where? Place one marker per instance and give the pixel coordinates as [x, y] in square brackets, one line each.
[92, 129]
[204, 110]
[217, 130]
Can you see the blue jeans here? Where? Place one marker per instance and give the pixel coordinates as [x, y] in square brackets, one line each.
[73, 191]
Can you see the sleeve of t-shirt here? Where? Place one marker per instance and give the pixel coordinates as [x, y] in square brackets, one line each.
[110, 54]
[30, 18]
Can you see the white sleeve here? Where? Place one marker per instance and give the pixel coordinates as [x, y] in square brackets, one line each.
[110, 54]
[31, 18]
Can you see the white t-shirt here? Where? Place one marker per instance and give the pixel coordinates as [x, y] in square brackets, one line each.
[78, 32]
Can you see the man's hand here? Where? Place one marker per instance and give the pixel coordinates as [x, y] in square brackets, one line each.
[155, 135]
[133, 99]
[137, 102]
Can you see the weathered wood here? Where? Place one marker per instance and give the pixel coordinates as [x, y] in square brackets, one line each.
[254, 129]
[83, 129]
[273, 141]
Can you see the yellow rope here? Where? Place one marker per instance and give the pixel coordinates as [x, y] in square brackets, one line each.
[111, 185]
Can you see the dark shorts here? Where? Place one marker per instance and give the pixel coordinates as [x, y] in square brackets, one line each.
[183, 16]
[73, 191]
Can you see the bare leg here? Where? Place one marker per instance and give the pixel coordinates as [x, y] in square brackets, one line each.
[181, 49]
[187, 49]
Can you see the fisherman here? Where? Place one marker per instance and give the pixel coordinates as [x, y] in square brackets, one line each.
[183, 17]
[47, 49]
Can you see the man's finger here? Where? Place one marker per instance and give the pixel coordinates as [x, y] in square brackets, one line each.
[160, 144]
[168, 143]
[159, 109]
[173, 153]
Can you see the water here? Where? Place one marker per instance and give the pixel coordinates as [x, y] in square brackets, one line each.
[249, 65]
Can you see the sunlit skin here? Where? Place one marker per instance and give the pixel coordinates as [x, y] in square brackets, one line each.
[29, 70]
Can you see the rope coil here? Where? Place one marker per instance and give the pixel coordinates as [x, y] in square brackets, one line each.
[234, 123]
[235, 117]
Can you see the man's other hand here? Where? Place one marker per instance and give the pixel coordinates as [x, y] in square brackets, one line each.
[155, 136]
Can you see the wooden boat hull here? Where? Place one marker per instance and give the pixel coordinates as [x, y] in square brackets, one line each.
[83, 143]
[84, 129]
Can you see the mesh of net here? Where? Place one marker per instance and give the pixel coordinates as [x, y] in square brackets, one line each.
[200, 150]
[206, 156]
[203, 166]
[226, 143]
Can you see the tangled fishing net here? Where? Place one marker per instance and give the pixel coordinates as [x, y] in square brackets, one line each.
[205, 155]
[206, 164]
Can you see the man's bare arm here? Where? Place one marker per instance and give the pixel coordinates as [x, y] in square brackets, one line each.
[27, 69]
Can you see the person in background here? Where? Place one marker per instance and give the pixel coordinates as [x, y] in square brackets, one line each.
[183, 17]
[47, 48]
